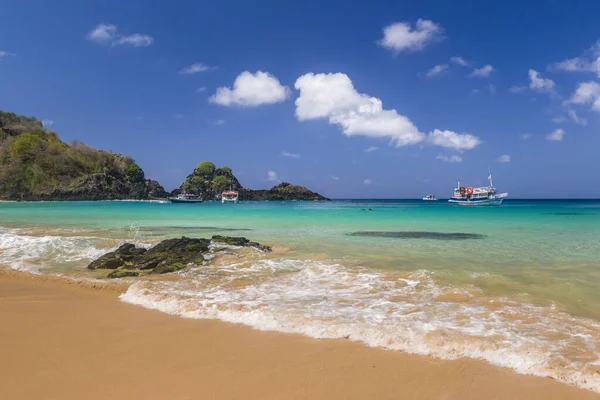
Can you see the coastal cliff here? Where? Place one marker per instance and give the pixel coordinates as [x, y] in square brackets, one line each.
[36, 165]
[210, 182]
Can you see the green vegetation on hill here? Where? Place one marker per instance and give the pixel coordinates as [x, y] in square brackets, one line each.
[35, 165]
[210, 181]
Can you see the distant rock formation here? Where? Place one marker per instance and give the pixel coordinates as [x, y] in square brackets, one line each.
[210, 182]
[36, 165]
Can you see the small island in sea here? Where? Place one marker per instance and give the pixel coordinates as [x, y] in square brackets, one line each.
[37, 165]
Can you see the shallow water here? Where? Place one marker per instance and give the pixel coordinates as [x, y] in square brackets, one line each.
[516, 285]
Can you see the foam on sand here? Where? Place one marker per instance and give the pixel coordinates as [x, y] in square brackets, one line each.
[399, 311]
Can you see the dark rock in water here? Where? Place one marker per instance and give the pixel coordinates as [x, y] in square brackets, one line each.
[170, 255]
[122, 273]
[565, 213]
[174, 265]
[240, 241]
[419, 235]
[107, 261]
[115, 259]
[172, 251]
[128, 251]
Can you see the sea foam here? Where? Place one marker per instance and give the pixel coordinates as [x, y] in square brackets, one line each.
[398, 311]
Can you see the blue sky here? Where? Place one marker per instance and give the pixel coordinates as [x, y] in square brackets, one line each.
[352, 99]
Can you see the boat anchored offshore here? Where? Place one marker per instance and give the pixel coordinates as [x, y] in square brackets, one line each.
[478, 196]
[430, 197]
[230, 196]
[186, 198]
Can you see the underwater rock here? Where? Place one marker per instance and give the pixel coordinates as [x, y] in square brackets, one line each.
[419, 235]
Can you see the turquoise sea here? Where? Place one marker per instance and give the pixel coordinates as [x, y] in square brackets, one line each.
[516, 285]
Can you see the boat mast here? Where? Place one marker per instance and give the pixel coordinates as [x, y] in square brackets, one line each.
[490, 177]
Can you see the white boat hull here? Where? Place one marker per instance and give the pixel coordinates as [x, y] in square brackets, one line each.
[490, 201]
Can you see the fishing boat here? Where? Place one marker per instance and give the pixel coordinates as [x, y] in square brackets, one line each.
[229, 196]
[430, 197]
[477, 196]
[186, 198]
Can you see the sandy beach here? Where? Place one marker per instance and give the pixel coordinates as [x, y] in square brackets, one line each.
[65, 340]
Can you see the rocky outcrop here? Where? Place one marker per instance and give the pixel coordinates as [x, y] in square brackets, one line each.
[170, 255]
[36, 165]
[283, 191]
[210, 182]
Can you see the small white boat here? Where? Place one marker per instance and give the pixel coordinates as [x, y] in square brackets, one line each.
[478, 196]
[230, 196]
[430, 197]
[186, 198]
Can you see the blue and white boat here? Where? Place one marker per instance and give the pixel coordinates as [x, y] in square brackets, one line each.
[186, 198]
[477, 196]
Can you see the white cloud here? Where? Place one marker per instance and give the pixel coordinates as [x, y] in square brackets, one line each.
[492, 89]
[195, 68]
[219, 122]
[367, 181]
[102, 33]
[370, 149]
[334, 97]
[401, 36]
[587, 93]
[108, 33]
[589, 62]
[453, 140]
[335, 178]
[272, 175]
[290, 155]
[517, 89]
[139, 118]
[575, 118]
[482, 72]
[437, 70]
[459, 61]
[201, 89]
[539, 83]
[252, 90]
[451, 159]
[135, 40]
[6, 53]
[178, 116]
[559, 119]
[525, 136]
[504, 158]
[47, 123]
[557, 135]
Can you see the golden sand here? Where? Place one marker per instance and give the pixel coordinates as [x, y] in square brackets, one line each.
[62, 339]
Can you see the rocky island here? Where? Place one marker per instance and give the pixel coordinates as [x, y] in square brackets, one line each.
[212, 181]
[36, 165]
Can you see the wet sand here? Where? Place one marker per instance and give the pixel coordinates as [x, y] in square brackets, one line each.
[66, 340]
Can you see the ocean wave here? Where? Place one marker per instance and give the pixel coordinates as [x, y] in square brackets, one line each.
[393, 310]
[24, 251]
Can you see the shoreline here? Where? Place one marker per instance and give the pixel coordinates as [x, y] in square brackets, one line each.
[68, 339]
